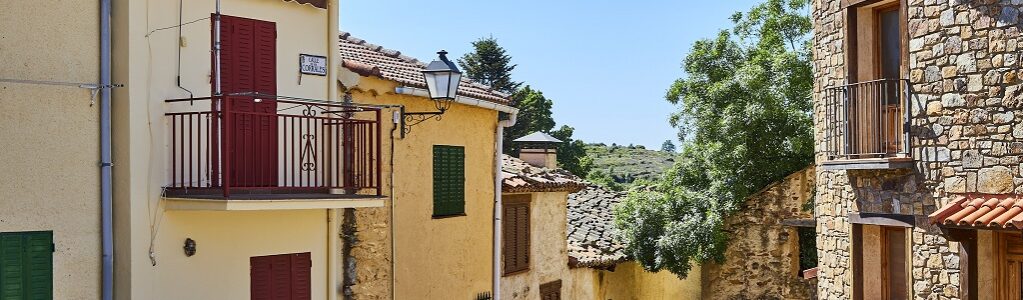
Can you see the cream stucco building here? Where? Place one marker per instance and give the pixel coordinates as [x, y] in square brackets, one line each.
[49, 149]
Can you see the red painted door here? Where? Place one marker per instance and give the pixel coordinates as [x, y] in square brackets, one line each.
[249, 66]
[280, 277]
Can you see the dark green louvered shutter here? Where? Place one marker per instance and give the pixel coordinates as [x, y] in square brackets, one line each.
[26, 265]
[448, 180]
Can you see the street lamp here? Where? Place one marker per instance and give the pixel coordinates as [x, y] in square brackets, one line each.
[442, 77]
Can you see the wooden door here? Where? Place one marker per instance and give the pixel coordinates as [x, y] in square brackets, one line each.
[895, 275]
[875, 112]
[1010, 275]
[249, 66]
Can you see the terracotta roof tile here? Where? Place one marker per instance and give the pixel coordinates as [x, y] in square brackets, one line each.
[521, 177]
[592, 241]
[982, 211]
[405, 70]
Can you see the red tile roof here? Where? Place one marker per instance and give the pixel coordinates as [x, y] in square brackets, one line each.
[521, 177]
[394, 66]
[982, 211]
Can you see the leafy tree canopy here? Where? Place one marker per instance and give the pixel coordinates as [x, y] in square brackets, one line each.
[744, 119]
[572, 152]
[668, 146]
[490, 65]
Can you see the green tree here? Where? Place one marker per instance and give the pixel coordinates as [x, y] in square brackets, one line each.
[745, 121]
[534, 115]
[572, 152]
[668, 146]
[490, 65]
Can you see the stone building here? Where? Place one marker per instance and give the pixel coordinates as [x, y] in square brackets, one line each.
[767, 257]
[916, 123]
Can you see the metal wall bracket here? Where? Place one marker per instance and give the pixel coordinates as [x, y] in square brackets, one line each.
[409, 119]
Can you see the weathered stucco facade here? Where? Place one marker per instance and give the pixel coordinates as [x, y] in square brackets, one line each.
[432, 258]
[151, 229]
[963, 65]
[49, 135]
[762, 258]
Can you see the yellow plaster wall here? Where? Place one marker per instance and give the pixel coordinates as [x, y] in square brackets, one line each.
[446, 258]
[49, 135]
[548, 249]
[224, 243]
[146, 62]
[630, 282]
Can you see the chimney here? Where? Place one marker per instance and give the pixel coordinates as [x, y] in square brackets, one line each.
[539, 149]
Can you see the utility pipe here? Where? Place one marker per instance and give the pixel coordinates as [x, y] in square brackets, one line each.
[333, 32]
[105, 162]
[404, 90]
[498, 203]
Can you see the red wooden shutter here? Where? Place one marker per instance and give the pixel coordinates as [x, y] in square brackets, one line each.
[301, 281]
[259, 274]
[249, 65]
[281, 277]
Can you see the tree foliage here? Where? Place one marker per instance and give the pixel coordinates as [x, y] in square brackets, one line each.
[744, 119]
[534, 115]
[490, 65]
[668, 146]
[572, 152]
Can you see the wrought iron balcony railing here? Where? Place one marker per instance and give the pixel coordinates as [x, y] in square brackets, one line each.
[867, 120]
[262, 144]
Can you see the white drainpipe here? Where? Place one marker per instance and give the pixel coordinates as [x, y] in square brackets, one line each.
[498, 151]
[333, 32]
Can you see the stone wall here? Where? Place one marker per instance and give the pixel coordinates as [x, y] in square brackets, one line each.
[762, 259]
[964, 69]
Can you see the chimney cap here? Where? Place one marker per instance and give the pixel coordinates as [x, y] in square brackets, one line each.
[537, 137]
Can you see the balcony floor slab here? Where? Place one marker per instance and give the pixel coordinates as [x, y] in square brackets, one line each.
[249, 202]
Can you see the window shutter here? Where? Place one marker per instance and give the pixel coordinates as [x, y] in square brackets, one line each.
[448, 180]
[515, 233]
[259, 274]
[551, 290]
[26, 265]
[301, 281]
[281, 277]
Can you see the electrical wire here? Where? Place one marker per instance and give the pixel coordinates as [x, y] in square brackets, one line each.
[175, 26]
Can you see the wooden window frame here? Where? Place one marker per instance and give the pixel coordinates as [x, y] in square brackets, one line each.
[852, 41]
[442, 193]
[858, 266]
[516, 237]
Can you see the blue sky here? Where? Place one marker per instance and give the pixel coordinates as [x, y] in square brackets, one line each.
[605, 64]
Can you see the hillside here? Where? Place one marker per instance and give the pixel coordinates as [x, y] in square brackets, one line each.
[627, 164]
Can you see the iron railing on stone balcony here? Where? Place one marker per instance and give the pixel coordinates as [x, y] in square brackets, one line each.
[265, 144]
[867, 120]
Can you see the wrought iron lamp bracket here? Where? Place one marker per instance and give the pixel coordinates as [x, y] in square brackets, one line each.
[409, 119]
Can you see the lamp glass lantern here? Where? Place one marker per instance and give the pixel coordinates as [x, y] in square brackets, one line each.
[442, 78]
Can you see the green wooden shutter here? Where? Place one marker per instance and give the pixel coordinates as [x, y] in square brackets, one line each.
[26, 265]
[448, 180]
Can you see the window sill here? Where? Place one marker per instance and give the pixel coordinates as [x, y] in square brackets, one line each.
[448, 216]
[887, 163]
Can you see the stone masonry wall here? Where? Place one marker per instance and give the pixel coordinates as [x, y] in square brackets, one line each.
[964, 69]
[762, 260]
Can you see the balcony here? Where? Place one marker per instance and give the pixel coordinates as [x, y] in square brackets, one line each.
[866, 125]
[253, 151]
